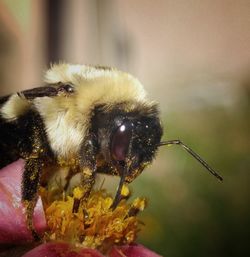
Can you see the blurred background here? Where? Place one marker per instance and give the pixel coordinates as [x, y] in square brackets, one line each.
[194, 59]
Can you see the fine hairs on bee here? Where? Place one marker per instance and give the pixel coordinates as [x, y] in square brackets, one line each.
[87, 120]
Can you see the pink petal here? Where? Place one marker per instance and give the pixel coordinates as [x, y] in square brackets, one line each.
[133, 250]
[13, 227]
[60, 250]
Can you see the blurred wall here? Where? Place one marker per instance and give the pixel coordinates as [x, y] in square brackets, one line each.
[175, 46]
[22, 43]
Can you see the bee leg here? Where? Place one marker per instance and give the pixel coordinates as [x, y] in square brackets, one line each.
[68, 178]
[30, 185]
[88, 167]
[88, 180]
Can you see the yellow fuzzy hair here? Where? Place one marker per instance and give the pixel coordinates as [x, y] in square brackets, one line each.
[16, 105]
[67, 118]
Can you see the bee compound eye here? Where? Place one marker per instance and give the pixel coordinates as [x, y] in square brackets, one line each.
[120, 141]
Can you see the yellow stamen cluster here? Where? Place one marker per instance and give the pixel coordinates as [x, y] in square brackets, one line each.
[95, 224]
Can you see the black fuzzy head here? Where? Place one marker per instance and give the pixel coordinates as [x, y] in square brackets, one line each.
[127, 138]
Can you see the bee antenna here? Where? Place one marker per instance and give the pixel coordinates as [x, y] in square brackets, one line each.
[195, 155]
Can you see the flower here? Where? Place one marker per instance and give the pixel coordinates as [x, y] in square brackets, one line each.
[95, 225]
[12, 213]
[65, 250]
[61, 250]
[95, 230]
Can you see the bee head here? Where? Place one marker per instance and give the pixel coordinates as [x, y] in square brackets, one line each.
[128, 137]
[133, 145]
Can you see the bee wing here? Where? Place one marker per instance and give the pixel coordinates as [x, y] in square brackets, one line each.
[4, 99]
[30, 94]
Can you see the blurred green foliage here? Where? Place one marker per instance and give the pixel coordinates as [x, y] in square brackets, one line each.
[20, 11]
[190, 213]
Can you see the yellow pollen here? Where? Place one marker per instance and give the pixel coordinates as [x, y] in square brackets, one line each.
[96, 224]
[125, 191]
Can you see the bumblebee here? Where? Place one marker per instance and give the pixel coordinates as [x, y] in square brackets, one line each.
[88, 119]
